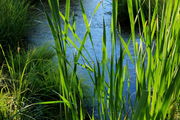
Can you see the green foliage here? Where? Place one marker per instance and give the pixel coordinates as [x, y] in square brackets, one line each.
[157, 61]
[24, 81]
[37, 89]
[13, 22]
[70, 90]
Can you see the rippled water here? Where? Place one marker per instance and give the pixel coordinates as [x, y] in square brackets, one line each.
[41, 34]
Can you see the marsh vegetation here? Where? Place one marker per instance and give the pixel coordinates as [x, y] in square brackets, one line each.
[44, 82]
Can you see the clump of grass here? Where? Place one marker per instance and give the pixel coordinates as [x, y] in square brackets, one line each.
[13, 22]
[24, 81]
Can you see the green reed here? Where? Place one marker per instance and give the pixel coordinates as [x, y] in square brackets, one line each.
[69, 88]
[156, 57]
[157, 60]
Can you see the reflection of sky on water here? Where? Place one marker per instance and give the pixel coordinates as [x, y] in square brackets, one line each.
[40, 34]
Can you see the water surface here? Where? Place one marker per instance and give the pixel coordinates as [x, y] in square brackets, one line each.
[41, 34]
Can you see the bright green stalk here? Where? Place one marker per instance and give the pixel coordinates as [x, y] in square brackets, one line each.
[156, 60]
[70, 87]
[113, 39]
[157, 73]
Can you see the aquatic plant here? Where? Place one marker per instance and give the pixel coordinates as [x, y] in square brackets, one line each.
[155, 57]
[157, 84]
[157, 60]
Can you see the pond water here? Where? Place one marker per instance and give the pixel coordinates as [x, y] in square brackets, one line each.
[41, 34]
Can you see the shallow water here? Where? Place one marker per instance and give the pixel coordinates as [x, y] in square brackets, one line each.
[41, 34]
